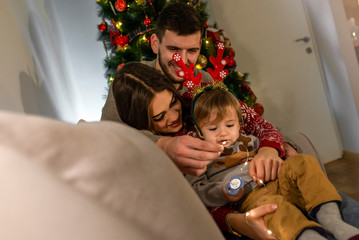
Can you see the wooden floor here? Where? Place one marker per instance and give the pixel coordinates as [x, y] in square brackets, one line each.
[344, 174]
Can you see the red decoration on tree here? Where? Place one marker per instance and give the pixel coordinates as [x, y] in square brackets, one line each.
[121, 40]
[205, 25]
[120, 5]
[219, 63]
[113, 36]
[120, 66]
[213, 34]
[231, 52]
[147, 21]
[231, 62]
[258, 108]
[102, 27]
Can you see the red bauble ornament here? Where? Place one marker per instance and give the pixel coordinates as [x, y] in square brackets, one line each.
[258, 108]
[102, 27]
[122, 40]
[205, 25]
[231, 52]
[120, 66]
[120, 5]
[231, 62]
[147, 22]
[214, 36]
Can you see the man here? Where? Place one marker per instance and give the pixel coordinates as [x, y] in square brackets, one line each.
[179, 30]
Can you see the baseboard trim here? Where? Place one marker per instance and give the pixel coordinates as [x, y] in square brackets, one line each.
[346, 155]
[351, 156]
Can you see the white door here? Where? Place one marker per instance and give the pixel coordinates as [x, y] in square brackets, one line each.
[284, 72]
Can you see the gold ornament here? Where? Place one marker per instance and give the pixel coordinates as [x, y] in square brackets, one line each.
[99, 1]
[140, 2]
[105, 1]
[201, 61]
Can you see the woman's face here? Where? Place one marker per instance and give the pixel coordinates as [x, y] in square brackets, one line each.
[166, 112]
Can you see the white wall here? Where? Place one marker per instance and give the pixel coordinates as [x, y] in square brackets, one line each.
[53, 62]
[77, 22]
[20, 89]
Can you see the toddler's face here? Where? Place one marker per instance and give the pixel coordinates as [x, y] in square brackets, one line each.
[225, 131]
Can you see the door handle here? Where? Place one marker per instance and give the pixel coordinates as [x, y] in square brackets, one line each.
[304, 39]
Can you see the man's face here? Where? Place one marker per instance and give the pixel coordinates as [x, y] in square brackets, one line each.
[188, 47]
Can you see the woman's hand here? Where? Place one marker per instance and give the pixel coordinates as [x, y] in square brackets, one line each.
[289, 151]
[252, 223]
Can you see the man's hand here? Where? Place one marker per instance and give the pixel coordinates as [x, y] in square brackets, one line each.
[191, 155]
[265, 165]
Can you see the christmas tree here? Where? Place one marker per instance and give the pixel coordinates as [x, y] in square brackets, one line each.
[126, 28]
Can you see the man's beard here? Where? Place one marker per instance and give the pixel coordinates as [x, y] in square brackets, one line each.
[166, 71]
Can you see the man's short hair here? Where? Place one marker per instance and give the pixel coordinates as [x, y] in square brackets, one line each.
[180, 18]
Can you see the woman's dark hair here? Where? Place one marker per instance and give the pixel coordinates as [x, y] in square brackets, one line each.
[134, 87]
[180, 18]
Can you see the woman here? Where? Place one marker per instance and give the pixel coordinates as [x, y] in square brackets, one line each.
[147, 100]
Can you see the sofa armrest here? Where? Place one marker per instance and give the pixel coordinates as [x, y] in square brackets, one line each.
[121, 176]
[305, 146]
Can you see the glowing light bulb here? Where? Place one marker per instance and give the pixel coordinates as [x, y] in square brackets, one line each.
[118, 24]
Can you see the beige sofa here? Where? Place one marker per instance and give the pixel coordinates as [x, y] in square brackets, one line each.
[94, 181]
